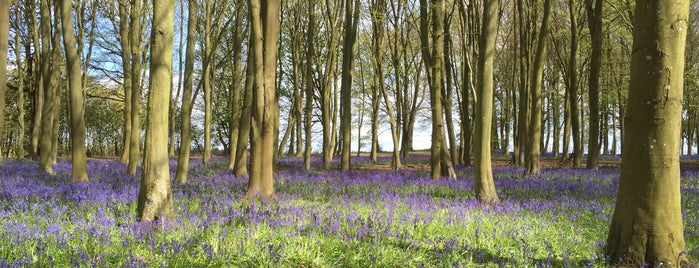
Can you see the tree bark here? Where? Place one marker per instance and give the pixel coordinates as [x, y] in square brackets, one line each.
[308, 77]
[264, 21]
[125, 41]
[534, 128]
[4, 43]
[155, 194]
[187, 101]
[351, 20]
[647, 224]
[77, 116]
[20, 92]
[235, 85]
[484, 186]
[135, 42]
[49, 86]
[594, 16]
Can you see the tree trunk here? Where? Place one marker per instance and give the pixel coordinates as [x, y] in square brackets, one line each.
[155, 194]
[135, 37]
[235, 85]
[20, 93]
[206, 81]
[77, 117]
[264, 21]
[594, 16]
[534, 133]
[351, 20]
[647, 224]
[187, 101]
[49, 86]
[310, 50]
[125, 43]
[484, 186]
[4, 43]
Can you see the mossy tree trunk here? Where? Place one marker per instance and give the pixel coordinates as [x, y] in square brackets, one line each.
[647, 224]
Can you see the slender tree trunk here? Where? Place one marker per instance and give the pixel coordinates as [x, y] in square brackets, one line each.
[484, 186]
[187, 101]
[594, 15]
[4, 43]
[206, 80]
[235, 85]
[155, 194]
[135, 37]
[534, 133]
[310, 50]
[351, 20]
[38, 81]
[241, 160]
[647, 224]
[77, 117]
[49, 88]
[125, 42]
[20, 92]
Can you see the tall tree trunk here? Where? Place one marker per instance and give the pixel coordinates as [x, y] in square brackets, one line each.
[37, 81]
[241, 159]
[351, 20]
[534, 133]
[573, 88]
[49, 86]
[77, 117]
[4, 43]
[647, 224]
[308, 77]
[264, 21]
[125, 42]
[187, 101]
[484, 186]
[20, 92]
[594, 16]
[235, 85]
[135, 41]
[155, 194]
[206, 80]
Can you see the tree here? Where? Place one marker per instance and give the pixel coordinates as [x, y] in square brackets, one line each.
[647, 224]
[125, 42]
[187, 102]
[433, 57]
[135, 43]
[155, 194]
[4, 43]
[49, 84]
[594, 23]
[351, 20]
[264, 21]
[483, 171]
[535, 96]
[77, 117]
[308, 77]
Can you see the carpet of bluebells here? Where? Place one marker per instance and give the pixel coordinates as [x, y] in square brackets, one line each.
[364, 218]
